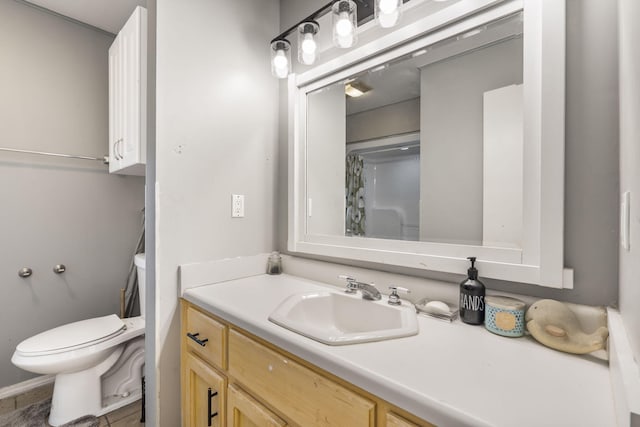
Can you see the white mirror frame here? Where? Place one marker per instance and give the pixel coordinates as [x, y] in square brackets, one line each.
[540, 260]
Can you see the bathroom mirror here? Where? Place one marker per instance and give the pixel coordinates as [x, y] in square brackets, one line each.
[453, 148]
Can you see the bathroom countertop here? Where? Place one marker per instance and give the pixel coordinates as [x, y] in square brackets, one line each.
[450, 374]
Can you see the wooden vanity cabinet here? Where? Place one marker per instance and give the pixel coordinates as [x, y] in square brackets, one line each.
[247, 382]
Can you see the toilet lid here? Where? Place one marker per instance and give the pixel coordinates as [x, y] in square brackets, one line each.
[75, 334]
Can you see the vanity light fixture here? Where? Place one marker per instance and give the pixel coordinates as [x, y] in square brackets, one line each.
[280, 58]
[343, 17]
[307, 45]
[356, 89]
[345, 25]
[387, 12]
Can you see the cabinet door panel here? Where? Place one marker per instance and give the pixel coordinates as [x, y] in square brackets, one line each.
[115, 101]
[244, 411]
[131, 58]
[302, 395]
[203, 394]
[127, 96]
[394, 420]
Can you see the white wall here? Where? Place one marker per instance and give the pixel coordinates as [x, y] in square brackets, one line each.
[451, 131]
[216, 134]
[502, 167]
[326, 161]
[53, 86]
[629, 36]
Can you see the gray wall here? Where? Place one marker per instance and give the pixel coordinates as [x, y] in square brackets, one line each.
[630, 165]
[216, 135]
[451, 138]
[591, 171]
[392, 119]
[53, 82]
[326, 161]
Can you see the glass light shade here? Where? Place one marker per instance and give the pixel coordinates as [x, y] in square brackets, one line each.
[387, 12]
[307, 46]
[280, 58]
[345, 24]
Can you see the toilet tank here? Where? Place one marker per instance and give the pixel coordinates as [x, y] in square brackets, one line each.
[139, 260]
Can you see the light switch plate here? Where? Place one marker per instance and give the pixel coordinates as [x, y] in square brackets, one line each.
[625, 216]
[237, 206]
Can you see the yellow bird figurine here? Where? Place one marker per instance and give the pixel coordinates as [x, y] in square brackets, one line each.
[553, 324]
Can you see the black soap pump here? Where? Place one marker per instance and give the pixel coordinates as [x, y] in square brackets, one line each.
[472, 297]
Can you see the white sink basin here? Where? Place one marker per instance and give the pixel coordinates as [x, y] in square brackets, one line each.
[336, 318]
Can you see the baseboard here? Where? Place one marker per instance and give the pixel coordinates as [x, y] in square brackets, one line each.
[26, 386]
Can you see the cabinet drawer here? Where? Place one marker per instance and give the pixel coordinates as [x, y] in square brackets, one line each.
[210, 336]
[304, 396]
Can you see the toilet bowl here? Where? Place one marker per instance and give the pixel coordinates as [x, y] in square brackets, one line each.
[98, 363]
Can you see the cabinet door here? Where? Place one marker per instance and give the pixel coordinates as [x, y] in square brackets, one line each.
[115, 104]
[244, 411]
[132, 60]
[127, 96]
[203, 394]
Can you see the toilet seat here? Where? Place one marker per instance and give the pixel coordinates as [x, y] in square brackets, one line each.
[72, 336]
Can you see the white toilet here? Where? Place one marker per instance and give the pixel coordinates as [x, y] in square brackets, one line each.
[98, 363]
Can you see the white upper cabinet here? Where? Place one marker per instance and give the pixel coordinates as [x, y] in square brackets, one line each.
[128, 97]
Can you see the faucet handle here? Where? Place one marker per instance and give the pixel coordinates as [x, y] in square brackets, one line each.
[394, 298]
[352, 285]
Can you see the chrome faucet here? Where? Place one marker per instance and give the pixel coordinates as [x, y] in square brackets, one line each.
[369, 291]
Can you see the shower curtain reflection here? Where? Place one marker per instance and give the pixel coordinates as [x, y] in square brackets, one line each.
[383, 191]
[355, 205]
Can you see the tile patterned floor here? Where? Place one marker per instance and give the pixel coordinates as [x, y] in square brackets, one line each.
[36, 414]
[31, 409]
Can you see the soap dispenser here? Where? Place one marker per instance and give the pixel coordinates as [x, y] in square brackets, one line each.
[472, 297]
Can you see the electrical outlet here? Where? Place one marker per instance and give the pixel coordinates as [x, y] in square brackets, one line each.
[237, 206]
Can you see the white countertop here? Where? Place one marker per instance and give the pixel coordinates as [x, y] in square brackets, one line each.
[450, 374]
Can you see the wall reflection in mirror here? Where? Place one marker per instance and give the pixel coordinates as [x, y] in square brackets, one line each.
[428, 147]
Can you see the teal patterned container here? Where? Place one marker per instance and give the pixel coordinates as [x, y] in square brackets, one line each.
[504, 316]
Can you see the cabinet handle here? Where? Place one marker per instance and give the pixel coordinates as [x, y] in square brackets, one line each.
[116, 151]
[120, 148]
[196, 339]
[211, 395]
